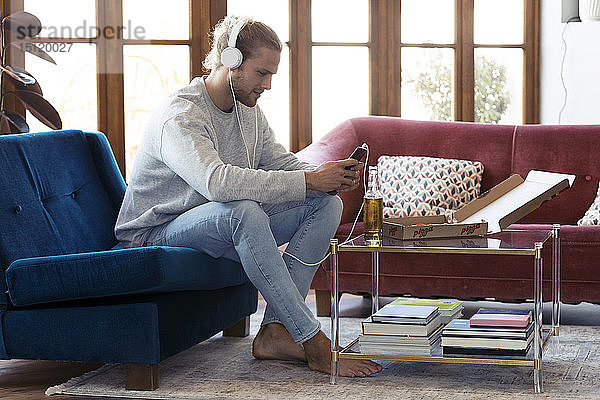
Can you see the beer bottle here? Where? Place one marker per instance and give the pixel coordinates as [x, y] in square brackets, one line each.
[373, 206]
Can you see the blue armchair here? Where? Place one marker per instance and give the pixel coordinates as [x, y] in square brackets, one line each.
[70, 292]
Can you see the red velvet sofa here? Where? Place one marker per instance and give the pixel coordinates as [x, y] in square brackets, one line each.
[503, 150]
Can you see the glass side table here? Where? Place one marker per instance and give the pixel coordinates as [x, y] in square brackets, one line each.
[509, 242]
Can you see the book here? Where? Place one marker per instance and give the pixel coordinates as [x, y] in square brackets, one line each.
[484, 351]
[406, 314]
[409, 343]
[446, 307]
[463, 328]
[500, 317]
[447, 318]
[370, 327]
[400, 340]
[433, 349]
[486, 342]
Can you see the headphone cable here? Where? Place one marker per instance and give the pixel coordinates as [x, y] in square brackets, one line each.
[237, 115]
[562, 67]
[562, 76]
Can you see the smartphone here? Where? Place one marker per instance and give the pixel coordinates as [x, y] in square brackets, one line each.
[358, 154]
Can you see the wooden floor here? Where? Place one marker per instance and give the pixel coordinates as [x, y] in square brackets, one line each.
[23, 379]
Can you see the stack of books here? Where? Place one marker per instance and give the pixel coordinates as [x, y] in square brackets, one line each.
[490, 331]
[402, 330]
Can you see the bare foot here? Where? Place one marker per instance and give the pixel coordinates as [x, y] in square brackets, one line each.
[318, 355]
[274, 342]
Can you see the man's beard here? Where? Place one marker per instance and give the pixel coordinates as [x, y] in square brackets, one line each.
[244, 98]
[241, 95]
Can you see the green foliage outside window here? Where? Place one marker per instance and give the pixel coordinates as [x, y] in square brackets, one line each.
[491, 93]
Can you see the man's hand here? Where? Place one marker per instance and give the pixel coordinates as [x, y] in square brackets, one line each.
[333, 176]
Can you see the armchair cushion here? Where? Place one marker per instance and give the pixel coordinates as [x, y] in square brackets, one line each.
[156, 269]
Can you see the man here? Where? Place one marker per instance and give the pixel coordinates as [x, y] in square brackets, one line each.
[209, 175]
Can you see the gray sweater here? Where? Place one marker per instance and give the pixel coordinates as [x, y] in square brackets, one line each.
[192, 153]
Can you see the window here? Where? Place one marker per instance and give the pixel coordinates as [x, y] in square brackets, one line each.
[470, 60]
[499, 54]
[427, 59]
[70, 85]
[116, 60]
[340, 63]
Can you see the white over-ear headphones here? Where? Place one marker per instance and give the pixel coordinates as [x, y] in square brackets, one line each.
[231, 56]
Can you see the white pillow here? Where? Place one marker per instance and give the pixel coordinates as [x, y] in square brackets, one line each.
[423, 186]
[592, 215]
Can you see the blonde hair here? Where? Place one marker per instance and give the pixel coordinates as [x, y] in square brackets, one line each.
[253, 35]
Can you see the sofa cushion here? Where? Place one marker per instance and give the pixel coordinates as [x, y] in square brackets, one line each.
[154, 269]
[420, 186]
[592, 215]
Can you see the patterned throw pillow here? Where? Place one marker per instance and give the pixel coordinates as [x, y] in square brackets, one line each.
[592, 215]
[423, 186]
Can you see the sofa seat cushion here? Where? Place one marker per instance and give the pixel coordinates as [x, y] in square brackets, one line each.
[155, 269]
[423, 186]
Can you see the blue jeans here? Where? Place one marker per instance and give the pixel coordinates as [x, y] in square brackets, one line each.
[250, 233]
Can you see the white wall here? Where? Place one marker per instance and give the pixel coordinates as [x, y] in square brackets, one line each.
[581, 68]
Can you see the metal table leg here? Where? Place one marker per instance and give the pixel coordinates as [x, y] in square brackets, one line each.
[537, 343]
[375, 278]
[335, 317]
[555, 280]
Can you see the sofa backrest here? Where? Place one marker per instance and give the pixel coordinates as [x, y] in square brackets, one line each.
[60, 193]
[489, 144]
[459, 140]
[566, 149]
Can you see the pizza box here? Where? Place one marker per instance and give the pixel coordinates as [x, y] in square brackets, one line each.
[416, 228]
[491, 212]
[454, 242]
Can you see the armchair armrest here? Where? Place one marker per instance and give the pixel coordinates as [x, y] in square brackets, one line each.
[154, 269]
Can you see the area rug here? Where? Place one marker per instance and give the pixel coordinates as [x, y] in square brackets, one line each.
[223, 368]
